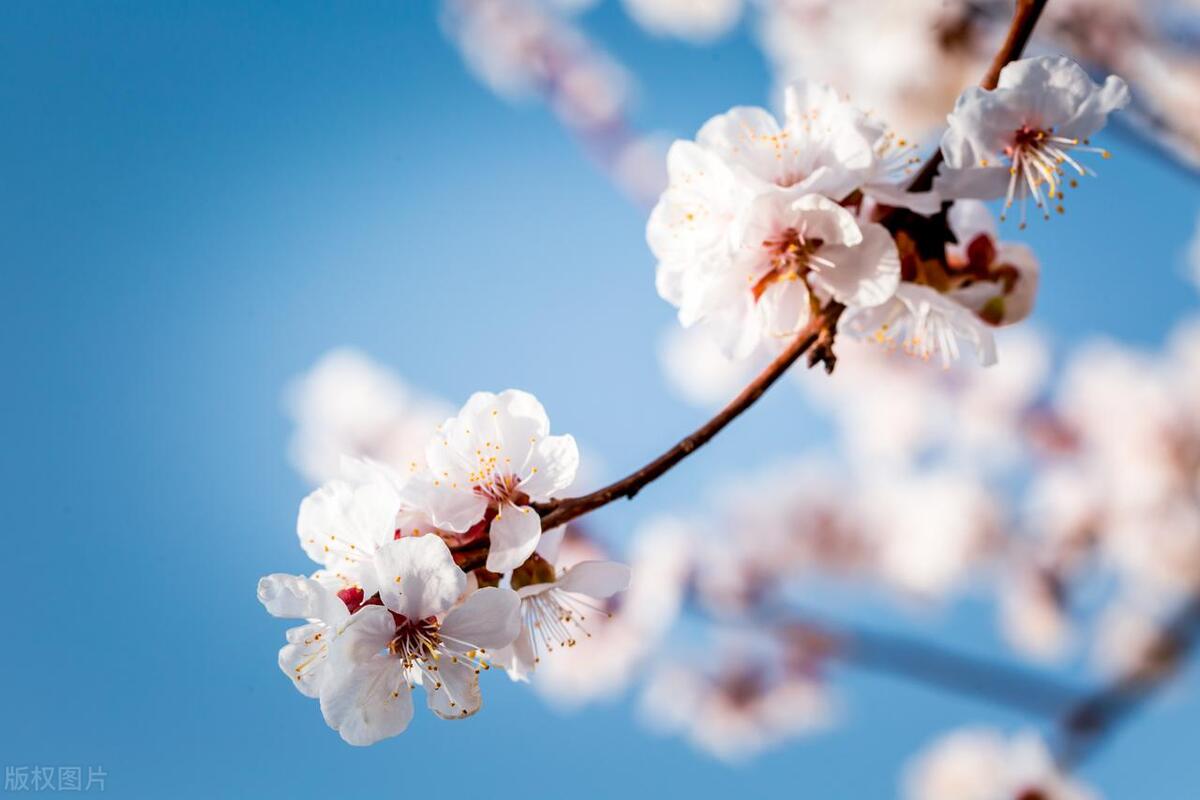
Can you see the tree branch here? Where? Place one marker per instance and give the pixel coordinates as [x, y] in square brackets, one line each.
[1025, 18]
[1085, 726]
[816, 339]
[969, 676]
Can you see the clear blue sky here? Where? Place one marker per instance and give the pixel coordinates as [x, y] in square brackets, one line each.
[197, 200]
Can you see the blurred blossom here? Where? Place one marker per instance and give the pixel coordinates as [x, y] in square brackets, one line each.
[347, 405]
[738, 709]
[932, 529]
[785, 523]
[694, 20]
[696, 368]
[522, 49]
[639, 167]
[904, 62]
[983, 764]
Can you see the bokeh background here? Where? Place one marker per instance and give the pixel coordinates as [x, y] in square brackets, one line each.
[197, 200]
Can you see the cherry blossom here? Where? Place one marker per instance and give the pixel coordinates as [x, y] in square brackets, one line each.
[558, 608]
[1014, 140]
[997, 280]
[417, 636]
[342, 524]
[924, 323]
[496, 457]
[782, 248]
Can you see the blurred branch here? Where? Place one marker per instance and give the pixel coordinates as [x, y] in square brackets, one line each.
[1085, 726]
[933, 666]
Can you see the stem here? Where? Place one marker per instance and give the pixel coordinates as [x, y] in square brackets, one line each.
[816, 336]
[1025, 18]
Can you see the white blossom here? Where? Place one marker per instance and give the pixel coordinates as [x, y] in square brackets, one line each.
[417, 636]
[558, 608]
[1013, 141]
[342, 524]
[736, 712]
[496, 457]
[924, 323]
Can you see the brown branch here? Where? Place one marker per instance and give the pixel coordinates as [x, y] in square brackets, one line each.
[1025, 18]
[816, 339]
[1085, 726]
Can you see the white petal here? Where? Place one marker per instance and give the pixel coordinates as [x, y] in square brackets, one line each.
[298, 597]
[489, 618]
[453, 692]
[514, 536]
[302, 659]
[453, 506]
[418, 577]
[368, 702]
[550, 543]
[552, 467]
[361, 638]
[784, 308]
[597, 579]
[864, 275]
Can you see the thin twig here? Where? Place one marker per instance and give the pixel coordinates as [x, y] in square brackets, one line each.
[817, 336]
[1025, 18]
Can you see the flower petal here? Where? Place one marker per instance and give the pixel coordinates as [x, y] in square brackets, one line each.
[368, 702]
[863, 275]
[552, 467]
[418, 577]
[489, 618]
[298, 597]
[597, 579]
[302, 659]
[514, 536]
[453, 691]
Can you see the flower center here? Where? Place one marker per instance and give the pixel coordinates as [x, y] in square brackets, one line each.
[792, 256]
[1036, 157]
[415, 640]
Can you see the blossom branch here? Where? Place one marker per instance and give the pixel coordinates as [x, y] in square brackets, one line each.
[1024, 20]
[816, 338]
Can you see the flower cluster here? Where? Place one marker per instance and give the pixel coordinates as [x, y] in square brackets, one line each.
[392, 607]
[767, 221]
[433, 561]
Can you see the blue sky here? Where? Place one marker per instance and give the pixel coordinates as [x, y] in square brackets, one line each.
[198, 199]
